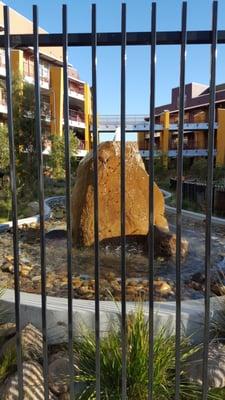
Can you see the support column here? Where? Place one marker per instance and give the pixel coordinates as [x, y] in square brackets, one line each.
[220, 156]
[56, 100]
[200, 136]
[87, 116]
[164, 137]
[141, 140]
[17, 63]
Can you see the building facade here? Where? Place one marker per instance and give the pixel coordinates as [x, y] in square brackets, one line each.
[51, 84]
[196, 131]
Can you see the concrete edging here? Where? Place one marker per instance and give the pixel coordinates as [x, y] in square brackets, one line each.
[35, 219]
[191, 214]
[192, 314]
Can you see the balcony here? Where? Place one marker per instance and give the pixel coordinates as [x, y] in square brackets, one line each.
[76, 119]
[44, 70]
[2, 63]
[81, 152]
[76, 90]
[45, 111]
[3, 101]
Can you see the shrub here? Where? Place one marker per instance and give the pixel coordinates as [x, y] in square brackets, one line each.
[199, 169]
[4, 148]
[137, 364]
[219, 174]
[57, 157]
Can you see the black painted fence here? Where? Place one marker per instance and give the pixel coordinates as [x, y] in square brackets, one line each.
[195, 193]
[93, 39]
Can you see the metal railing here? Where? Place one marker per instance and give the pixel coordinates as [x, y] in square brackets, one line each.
[77, 116]
[152, 39]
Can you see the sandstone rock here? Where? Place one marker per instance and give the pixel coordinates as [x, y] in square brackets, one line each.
[165, 243]
[7, 267]
[216, 366]
[33, 384]
[32, 344]
[137, 196]
[162, 287]
[59, 375]
[218, 288]
[36, 279]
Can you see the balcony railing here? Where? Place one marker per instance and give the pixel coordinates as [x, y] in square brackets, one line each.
[76, 116]
[45, 111]
[2, 63]
[76, 90]
[29, 75]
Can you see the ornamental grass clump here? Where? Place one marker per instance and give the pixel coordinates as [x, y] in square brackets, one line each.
[137, 364]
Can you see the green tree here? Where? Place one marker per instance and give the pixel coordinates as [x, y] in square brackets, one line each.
[24, 131]
[57, 158]
[4, 148]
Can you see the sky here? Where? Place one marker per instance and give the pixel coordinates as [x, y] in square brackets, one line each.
[138, 66]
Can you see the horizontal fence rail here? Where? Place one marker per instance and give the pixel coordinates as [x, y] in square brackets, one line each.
[114, 39]
[122, 39]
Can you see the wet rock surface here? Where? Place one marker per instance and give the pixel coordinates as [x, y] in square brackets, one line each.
[136, 260]
[109, 176]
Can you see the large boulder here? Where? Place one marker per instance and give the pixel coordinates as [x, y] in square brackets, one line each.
[137, 196]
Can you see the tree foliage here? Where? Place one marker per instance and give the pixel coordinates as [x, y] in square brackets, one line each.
[4, 148]
[57, 158]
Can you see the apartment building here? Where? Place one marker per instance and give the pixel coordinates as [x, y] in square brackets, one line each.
[196, 117]
[51, 83]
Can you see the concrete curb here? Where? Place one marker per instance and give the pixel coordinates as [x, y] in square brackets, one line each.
[192, 314]
[35, 219]
[191, 214]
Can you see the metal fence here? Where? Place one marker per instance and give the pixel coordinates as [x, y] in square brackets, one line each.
[152, 39]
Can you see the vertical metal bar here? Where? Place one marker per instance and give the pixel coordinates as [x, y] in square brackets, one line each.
[179, 194]
[151, 201]
[96, 206]
[68, 199]
[12, 152]
[209, 194]
[41, 195]
[123, 199]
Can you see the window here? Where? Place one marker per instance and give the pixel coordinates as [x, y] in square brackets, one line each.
[2, 58]
[44, 71]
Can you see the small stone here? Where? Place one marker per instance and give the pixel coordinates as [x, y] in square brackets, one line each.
[198, 277]
[7, 267]
[24, 260]
[162, 287]
[9, 258]
[218, 289]
[83, 290]
[25, 270]
[131, 291]
[77, 283]
[132, 283]
[36, 279]
[59, 375]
